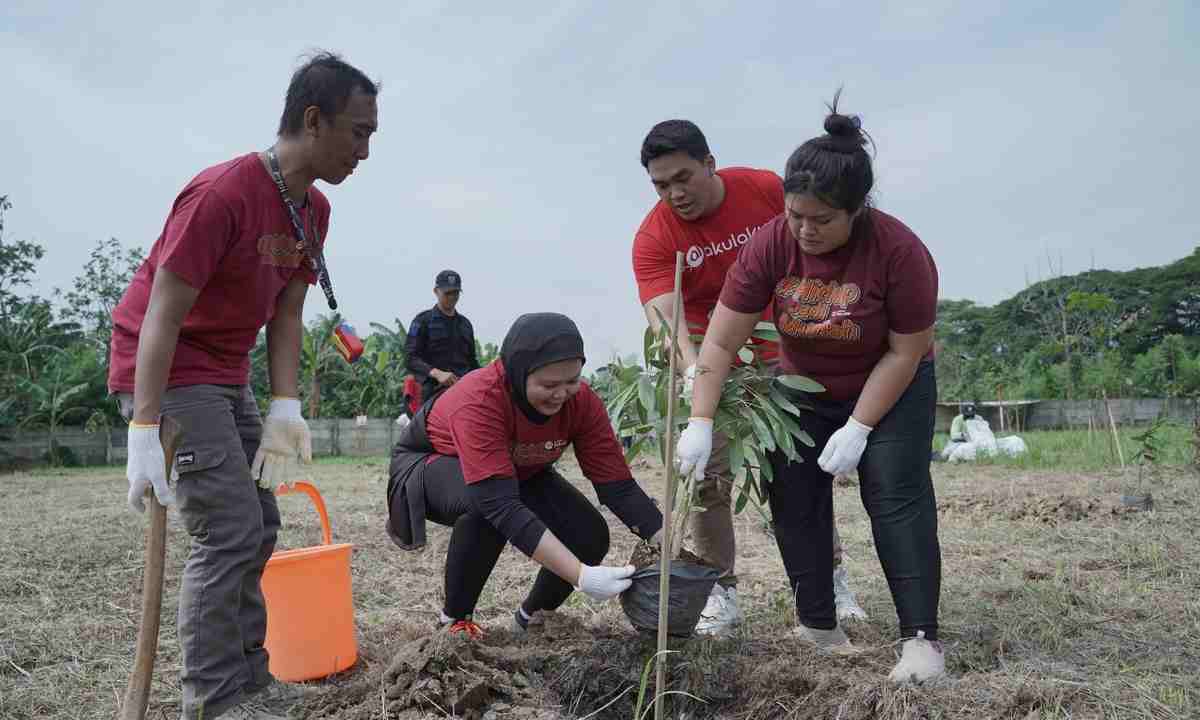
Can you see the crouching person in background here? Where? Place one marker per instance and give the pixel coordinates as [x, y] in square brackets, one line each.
[479, 457]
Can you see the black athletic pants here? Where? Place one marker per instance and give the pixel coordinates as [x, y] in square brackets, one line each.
[475, 544]
[897, 492]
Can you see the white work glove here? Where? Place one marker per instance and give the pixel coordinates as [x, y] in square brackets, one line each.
[603, 582]
[845, 448]
[694, 447]
[146, 467]
[285, 439]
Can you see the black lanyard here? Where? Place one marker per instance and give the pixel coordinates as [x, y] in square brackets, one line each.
[312, 250]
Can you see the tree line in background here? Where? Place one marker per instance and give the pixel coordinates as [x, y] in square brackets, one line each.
[1119, 334]
[54, 350]
[1095, 334]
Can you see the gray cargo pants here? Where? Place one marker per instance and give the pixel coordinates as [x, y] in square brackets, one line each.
[712, 519]
[233, 524]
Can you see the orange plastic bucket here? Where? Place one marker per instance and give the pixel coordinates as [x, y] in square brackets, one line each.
[310, 614]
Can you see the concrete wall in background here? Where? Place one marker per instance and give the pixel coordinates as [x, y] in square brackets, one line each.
[346, 437]
[329, 437]
[1052, 414]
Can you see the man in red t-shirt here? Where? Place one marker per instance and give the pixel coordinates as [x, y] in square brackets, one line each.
[709, 215]
[234, 255]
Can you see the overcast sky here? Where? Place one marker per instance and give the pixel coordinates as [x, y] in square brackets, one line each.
[509, 137]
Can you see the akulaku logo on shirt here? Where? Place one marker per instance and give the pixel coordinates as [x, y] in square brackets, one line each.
[695, 255]
[541, 452]
[279, 250]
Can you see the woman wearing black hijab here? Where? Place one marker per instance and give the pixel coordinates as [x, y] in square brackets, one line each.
[480, 457]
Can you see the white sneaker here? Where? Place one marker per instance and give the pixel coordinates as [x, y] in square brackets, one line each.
[720, 614]
[920, 660]
[832, 641]
[843, 597]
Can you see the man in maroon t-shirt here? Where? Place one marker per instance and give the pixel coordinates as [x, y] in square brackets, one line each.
[240, 247]
[709, 215]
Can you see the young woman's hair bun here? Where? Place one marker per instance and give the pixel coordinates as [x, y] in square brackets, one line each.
[844, 126]
[835, 167]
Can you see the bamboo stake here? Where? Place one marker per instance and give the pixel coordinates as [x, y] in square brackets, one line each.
[1113, 424]
[665, 556]
[137, 692]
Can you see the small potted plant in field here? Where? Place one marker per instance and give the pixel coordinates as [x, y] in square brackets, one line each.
[1146, 458]
[758, 412]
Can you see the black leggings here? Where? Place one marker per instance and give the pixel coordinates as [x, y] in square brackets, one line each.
[475, 544]
[897, 492]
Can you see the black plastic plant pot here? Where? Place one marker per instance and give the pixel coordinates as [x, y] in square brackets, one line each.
[691, 584]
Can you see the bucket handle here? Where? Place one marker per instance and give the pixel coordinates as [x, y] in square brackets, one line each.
[318, 502]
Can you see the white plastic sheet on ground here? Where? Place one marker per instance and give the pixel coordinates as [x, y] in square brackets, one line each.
[982, 442]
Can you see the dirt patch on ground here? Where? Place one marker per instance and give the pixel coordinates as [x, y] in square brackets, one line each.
[568, 669]
[1046, 509]
[452, 674]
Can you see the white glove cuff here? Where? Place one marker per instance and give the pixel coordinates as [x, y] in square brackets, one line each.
[865, 429]
[142, 438]
[285, 409]
[708, 421]
[581, 583]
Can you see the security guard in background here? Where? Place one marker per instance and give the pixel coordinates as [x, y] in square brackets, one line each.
[441, 341]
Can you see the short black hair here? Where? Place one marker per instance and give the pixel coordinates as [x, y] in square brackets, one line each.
[674, 136]
[324, 80]
[834, 167]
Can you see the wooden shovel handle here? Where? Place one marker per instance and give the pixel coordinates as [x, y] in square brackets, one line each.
[137, 693]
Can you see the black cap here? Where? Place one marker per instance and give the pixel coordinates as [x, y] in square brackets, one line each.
[448, 280]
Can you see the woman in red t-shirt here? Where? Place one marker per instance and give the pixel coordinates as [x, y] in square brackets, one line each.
[479, 457]
[854, 294]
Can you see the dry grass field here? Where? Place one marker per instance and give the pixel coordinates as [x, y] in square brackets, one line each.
[1056, 603]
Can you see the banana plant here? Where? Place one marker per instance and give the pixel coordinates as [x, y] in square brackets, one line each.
[318, 358]
[50, 396]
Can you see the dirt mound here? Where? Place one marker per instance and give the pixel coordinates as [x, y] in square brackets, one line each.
[707, 679]
[777, 679]
[569, 669]
[1046, 509]
[561, 668]
[445, 673]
